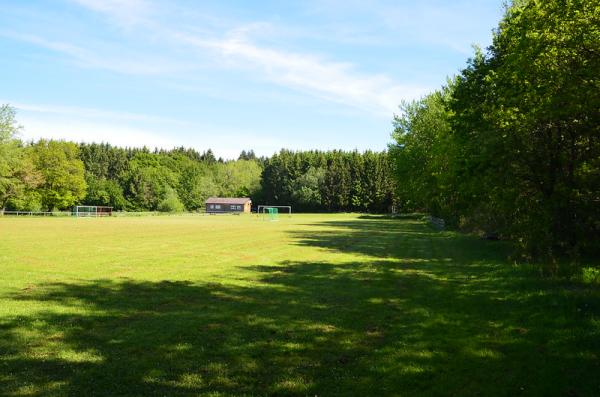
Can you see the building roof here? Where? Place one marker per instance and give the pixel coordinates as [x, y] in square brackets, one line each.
[227, 200]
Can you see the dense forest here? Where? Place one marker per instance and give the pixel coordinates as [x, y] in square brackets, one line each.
[511, 146]
[55, 175]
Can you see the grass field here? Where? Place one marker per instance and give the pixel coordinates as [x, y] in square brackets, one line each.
[309, 305]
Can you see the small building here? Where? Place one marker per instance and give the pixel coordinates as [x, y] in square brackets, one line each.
[215, 205]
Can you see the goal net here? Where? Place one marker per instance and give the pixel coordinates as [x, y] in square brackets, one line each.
[272, 212]
[91, 211]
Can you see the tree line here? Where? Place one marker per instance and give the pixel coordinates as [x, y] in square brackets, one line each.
[511, 146]
[330, 181]
[50, 175]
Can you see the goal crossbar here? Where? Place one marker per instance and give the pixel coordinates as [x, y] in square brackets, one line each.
[91, 211]
[263, 208]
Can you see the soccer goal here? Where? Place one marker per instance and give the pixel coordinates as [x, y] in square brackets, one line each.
[91, 211]
[273, 211]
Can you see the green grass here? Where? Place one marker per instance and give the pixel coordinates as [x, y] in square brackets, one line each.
[309, 305]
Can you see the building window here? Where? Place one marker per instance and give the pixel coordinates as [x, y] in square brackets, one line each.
[212, 206]
[218, 206]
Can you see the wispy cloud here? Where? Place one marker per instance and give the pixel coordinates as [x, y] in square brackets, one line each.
[92, 113]
[224, 143]
[452, 25]
[127, 13]
[310, 74]
[329, 80]
[333, 81]
[134, 64]
[82, 131]
[80, 124]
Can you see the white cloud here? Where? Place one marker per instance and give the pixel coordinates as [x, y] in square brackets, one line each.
[224, 144]
[80, 124]
[129, 130]
[453, 25]
[333, 81]
[82, 131]
[127, 13]
[113, 60]
[83, 112]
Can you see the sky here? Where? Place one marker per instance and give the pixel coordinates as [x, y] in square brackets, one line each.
[230, 75]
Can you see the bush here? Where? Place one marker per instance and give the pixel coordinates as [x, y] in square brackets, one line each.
[171, 203]
[590, 275]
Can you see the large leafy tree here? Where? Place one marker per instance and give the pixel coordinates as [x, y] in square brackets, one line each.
[238, 178]
[529, 118]
[10, 155]
[307, 189]
[548, 85]
[196, 184]
[63, 173]
[18, 177]
[513, 145]
[101, 191]
[148, 181]
[421, 153]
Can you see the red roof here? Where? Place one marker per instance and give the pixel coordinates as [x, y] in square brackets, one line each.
[227, 200]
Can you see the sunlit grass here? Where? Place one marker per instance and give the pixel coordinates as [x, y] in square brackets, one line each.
[308, 305]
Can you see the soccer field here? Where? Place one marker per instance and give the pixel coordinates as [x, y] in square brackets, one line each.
[306, 305]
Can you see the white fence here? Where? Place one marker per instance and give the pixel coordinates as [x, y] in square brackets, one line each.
[36, 213]
[114, 213]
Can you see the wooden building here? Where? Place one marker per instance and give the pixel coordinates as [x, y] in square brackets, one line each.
[215, 205]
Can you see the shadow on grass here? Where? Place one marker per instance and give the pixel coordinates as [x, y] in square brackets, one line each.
[408, 241]
[433, 314]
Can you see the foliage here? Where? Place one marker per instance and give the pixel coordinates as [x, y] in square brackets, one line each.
[8, 123]
[512, 146]
[238, 178]
[105, 192]
[307, 188]
[196, 184]
[333, 181]
[591, 275]
[148, 180]
[17, 174]
[247, 155]
[63, 173]
[171, 202]
[546, 103]
[421, 153]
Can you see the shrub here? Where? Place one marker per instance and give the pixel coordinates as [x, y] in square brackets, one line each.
[171, 202]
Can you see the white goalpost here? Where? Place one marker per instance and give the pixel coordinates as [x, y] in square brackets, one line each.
[274, 209]
[80, 211]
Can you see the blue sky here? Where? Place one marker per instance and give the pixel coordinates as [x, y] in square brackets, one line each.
[230, 75]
